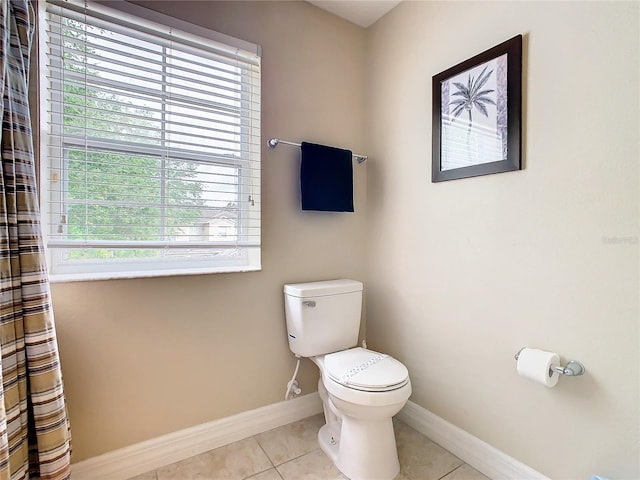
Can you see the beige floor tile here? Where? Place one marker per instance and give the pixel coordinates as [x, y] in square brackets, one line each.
[145, 476]
[271, 474]
[295, 451]
[312, 466]
[290, 441]
[420, 458]
[235, 461]
[465, 472]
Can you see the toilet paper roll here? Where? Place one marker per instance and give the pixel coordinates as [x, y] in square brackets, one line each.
[536, 364]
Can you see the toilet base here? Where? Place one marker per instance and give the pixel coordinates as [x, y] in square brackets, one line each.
[363, 463]
[367, 449]
[328, 443]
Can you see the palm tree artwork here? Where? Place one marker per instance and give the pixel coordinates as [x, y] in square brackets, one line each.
[472, 96]
[476, 114]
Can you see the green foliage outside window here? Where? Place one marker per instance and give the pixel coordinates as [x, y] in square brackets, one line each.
[112, 194]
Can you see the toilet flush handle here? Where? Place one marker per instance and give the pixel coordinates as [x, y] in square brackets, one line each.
[309, 303]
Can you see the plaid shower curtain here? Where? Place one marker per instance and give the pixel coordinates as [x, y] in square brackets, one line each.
[34, 429]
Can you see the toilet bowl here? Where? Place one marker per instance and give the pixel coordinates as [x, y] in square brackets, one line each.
[361, 390]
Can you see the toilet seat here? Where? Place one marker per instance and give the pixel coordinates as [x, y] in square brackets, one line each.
[365, 370]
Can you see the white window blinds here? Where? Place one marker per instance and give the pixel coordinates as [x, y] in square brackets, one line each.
[153, 148]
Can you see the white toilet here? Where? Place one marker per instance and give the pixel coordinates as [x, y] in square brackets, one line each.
[360, 389]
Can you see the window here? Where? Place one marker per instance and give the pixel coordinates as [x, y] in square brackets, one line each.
[151, 158]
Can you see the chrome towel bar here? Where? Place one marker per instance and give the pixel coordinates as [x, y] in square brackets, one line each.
[273, 143]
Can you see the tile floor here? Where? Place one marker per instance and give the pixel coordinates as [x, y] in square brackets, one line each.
[291, 452]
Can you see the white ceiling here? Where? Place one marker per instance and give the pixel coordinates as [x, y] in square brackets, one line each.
[360, 12]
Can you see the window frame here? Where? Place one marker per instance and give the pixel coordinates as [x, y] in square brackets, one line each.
[249, 158]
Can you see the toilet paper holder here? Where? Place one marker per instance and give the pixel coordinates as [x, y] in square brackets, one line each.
[572, 369]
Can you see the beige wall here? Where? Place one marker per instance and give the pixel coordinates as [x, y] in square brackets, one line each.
[462, 274]
[146, 357]
[459, 275]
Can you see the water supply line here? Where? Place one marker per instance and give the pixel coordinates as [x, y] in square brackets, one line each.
[293, 390]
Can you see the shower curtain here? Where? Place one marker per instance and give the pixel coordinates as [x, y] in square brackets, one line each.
[34, 429]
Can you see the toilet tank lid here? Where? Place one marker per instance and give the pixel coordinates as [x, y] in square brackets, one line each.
[319, 289]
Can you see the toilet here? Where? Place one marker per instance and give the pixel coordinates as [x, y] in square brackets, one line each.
[361, 390]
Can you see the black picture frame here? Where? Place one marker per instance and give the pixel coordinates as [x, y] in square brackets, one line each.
[492, 142]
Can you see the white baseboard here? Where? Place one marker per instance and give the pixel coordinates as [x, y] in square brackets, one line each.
[151, 454]
[480, 455]
[155, 453]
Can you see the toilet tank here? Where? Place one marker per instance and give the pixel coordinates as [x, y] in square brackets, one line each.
[322, 317]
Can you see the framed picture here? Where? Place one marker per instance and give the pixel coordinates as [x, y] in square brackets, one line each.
[477, 109]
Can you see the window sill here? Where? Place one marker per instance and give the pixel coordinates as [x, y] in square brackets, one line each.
[98, 276]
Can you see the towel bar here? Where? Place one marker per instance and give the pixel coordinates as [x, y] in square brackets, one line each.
[273, 143]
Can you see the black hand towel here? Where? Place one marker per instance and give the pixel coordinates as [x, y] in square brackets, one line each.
[326, 178]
